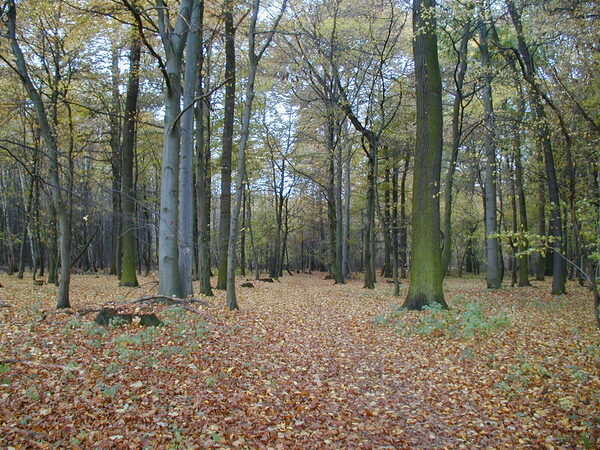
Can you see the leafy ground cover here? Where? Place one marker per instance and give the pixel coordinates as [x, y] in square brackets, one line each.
[304, 364]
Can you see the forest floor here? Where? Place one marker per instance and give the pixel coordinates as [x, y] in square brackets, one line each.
[303, 364]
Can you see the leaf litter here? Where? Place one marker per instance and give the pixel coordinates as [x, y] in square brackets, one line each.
[304, 364]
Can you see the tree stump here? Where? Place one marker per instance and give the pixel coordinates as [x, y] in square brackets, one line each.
[247, 285]
[107, 315]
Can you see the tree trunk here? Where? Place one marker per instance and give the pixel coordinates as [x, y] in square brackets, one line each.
[402, 232]
[186, 164]
[128, 276]
[174, 41]
[523, 243]
[253, 59]
[333, 202]
[493, 274]
[369, 237]
[426, 269]
[558, 261]
[337, 196]
[346, 219]
[27, 210]
[243, 238]
[50, 139]
[395, 227]
[457, 115]
[203, 192]
[115, 145]
[386, 223]
[53, 248]
[225, 213]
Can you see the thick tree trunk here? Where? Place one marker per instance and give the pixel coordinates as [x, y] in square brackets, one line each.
[174, 41]
[225, 212]
[128, 276]
[169, 277]
[426, 269]
[333, 203]
[186, 163]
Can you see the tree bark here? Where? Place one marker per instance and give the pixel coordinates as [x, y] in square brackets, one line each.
[203, 191]
[115, 145]
[523, 279]
[225, 212]
[128, 276]
[426, 269]
[492, 242]
[174, 41]
[186, 163]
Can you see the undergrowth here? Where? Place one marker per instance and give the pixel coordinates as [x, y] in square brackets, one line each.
[465, 320]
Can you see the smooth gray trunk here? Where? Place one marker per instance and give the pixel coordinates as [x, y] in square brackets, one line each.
[168, 246]
[492, 242]
[186, 163]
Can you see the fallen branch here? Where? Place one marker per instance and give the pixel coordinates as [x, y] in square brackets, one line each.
[166, 300]
[5, 305]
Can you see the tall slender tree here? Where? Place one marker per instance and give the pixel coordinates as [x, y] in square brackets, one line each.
[492, 241]
[186, 166]
[128, 276]
[60, 199]
[254, 57]
[527, 65]
[227, 148]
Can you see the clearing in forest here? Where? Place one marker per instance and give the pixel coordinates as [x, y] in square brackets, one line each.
[304, 364]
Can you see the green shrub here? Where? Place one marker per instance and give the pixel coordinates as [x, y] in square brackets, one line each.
[468, 320]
